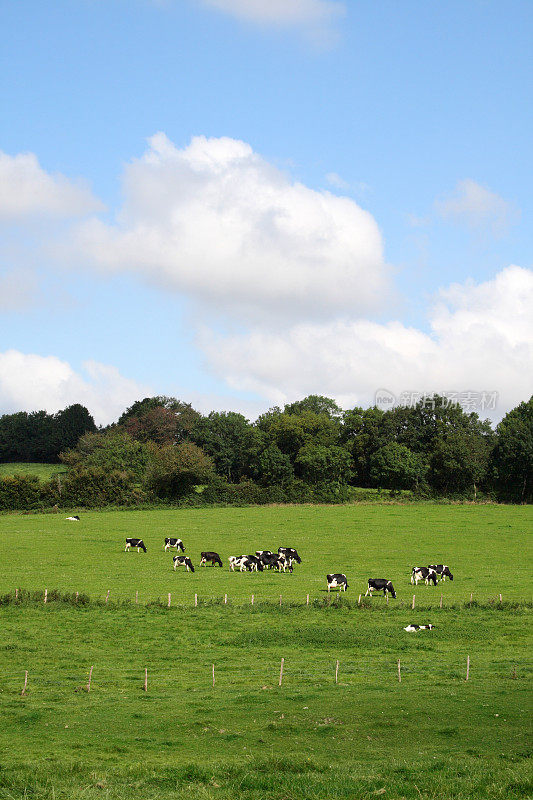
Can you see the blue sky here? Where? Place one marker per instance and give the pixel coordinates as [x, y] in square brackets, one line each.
[326, 171]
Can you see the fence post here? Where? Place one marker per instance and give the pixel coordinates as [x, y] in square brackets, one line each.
[281, 671]
[467, 667]
[45, 595]
[225, 599]
[16, 594]
[359, 601]
[337, 671]
[387, 598]
[213, 674]
[145, 687]
[77, 595]
[280, 599]
[23, 692]
[195, 600]
[107, 596]
[90, 677]
[471, 596]
[399, 672]
[168, 604]
[500, 597]
[413, 603]
[307, 602]
[136, 597]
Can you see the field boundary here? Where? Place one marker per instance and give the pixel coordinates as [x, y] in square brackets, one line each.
[46, 597]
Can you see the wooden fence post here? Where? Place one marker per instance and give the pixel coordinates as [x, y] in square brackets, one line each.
[413, 603]
[23, 692]
[225, 599]
[77, 595]
[471, 596]
[359, 601]
[145, 687]
[16, 594]
[107, 596]
[90, 677]
[281, 671]
[307, 602]
[500, 597]
[387, 598]
[337, 671]
[195, 600]
[213, 674]
[136, 597]
[45, 595]
[399, 672]
[467, 667]
[168, 604]
[252, 599]
[280, 599]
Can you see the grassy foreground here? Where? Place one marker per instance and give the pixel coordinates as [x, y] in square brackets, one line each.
[433, 735]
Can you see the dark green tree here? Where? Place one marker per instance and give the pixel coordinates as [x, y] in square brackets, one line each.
[394, 466]
[512, 457]
[230, 440]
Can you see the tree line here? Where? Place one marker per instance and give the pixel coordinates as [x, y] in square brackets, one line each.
[162, 449]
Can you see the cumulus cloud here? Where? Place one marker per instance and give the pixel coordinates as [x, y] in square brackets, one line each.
[280, 12]
[26, 190]
[30, 382]
[481, 339]
[477, 207]
[218, 222]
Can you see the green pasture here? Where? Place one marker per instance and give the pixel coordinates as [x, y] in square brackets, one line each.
[434, 735]
[486, 547]
[43, 471]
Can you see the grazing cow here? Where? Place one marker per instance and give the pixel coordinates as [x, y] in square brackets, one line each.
[442, 571]
[242, 562]
[177, 543]
[380, 585]
[290, 552]
[413, 628]
[258, 564]
[425, 574]
[183, 561]
[138, 543]
[337, 581]
[210, 557]
[260, 553]
[74, 519]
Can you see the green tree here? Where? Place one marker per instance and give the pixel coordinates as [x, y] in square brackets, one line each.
[111, 450]
[175, 469]
[394, 466]
[323, 464]
[274, 468]
[512, 457]
[230, 440]
[159, 419]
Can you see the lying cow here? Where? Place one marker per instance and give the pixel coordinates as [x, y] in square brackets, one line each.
[413, 628]
[442, 571]
[177, 543]
[425, 574]
[210, 557]
[183, 561]
[290, 552]
[337, 581]
[380, 585]
[75, 518]
[138, 543]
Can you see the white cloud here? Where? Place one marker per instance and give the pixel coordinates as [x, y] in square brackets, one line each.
[477, 207]
[26, 190]
[18, 290]
[482, 339]
[31, 382]
[335, 180]
[218, 222]
[280, 12]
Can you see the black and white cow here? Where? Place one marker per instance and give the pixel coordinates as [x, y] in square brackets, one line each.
[183, 561]
[177, 543]
[258, 564]
[138, 543]
[337, 581]
[290, 552]
[260, 553]
[425, 574]
[442, 570]
[380, 585]
[75, 518]
[210, 557]
[413, 628]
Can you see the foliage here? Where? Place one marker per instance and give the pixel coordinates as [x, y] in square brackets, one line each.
[175, 469]
[163, 420]
[318, 464]
[512, 458]
[230, 440]
[112, 450]
[38, 436]
[397, 467]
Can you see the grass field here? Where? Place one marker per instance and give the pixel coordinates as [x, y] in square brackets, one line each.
[43, 471]
[434, 735]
